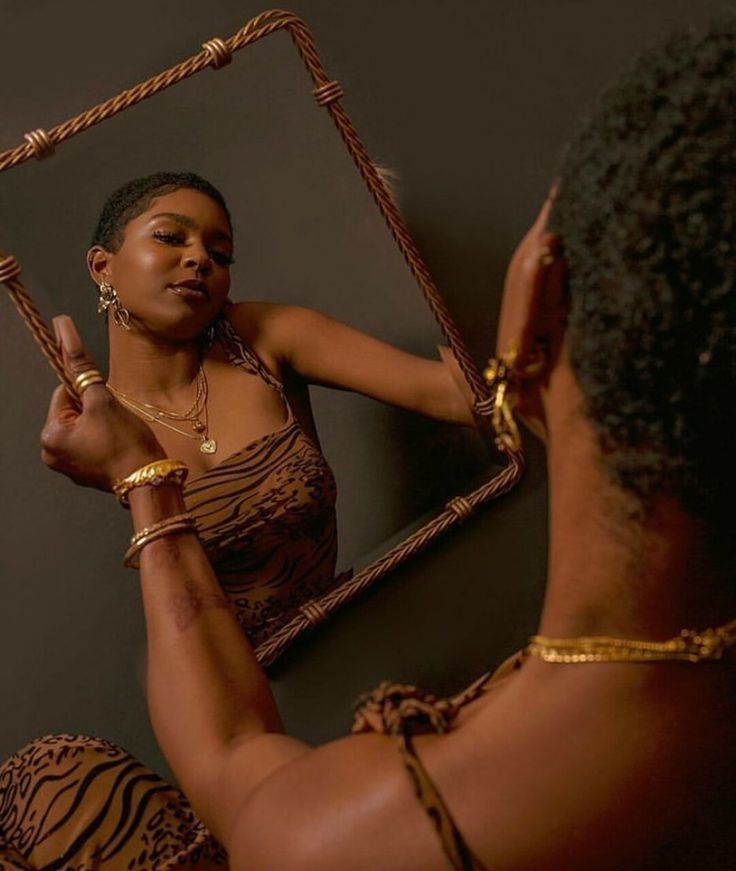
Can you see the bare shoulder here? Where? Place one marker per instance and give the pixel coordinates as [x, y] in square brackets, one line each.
[562, 774]
[349, 804]
[264, 321]
[273, 330]
[593, 769]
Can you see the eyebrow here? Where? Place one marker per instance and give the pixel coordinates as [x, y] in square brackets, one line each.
[186, 221]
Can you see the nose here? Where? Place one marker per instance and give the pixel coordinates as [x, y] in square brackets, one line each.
[196, 257]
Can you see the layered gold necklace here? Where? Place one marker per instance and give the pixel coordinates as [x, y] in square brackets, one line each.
[196, 415]
[691, 645]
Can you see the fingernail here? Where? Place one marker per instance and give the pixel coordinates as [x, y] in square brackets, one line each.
[67, 332]
[56, 323]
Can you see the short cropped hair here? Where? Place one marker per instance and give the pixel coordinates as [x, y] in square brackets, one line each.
[135, 196]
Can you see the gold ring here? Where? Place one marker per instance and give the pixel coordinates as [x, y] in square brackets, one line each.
[87, 379]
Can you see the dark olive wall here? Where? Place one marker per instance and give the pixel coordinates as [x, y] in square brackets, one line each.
[470, 103]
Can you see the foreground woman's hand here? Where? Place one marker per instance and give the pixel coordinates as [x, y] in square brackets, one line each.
[104, 441]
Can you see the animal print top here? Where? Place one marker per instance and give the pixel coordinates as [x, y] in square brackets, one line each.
[266, 515]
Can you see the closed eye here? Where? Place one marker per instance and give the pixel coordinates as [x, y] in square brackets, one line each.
[169, 238]
[220, 257]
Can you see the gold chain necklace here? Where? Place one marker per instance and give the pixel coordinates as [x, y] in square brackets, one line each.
[196, 415]
[194, 411]
[690, 645]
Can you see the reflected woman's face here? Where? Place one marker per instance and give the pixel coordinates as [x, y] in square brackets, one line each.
[172, 270]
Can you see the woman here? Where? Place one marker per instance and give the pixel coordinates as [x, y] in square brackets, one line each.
[224, 387]
[610, 743]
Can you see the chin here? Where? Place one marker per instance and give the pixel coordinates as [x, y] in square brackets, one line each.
[181, 319]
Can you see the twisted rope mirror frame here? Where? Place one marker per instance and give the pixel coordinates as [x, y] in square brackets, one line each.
[216, 53]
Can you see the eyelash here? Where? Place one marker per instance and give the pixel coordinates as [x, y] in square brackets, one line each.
[220, 258]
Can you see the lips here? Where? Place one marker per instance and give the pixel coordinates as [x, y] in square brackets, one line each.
[190, 288]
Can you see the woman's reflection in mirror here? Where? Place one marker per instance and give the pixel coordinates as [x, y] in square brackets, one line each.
[224, 386]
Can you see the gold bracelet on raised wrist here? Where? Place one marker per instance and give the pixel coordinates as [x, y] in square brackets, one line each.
[151, 475]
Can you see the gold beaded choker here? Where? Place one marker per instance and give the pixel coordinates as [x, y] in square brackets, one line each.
[690, 645]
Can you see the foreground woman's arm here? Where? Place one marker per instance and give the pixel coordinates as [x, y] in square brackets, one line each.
[273, 801]
[205, 688]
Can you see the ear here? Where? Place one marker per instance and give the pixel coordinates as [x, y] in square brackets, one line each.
[533, 312]
[98, 264]
[546, 316]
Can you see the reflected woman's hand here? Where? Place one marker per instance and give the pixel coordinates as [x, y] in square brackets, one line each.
[104, 441]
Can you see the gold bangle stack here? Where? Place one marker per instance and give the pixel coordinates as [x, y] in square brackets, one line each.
[691, 645]
[151, 475]
[178, 523]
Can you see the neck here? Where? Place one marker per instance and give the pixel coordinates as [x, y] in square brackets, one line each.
[611, 570]
[145, 365]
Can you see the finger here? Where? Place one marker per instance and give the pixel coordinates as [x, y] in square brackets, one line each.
[76, 359]
[62, 407]
[540, 224]
[61, 413]
[542, 219]
[57, 335]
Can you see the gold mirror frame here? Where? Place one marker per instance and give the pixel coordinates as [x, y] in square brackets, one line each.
[216, 53]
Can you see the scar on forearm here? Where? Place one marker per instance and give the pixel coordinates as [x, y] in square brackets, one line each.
[187, 606]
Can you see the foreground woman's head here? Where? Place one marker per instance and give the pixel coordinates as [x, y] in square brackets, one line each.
[646, 218]
[164, 244]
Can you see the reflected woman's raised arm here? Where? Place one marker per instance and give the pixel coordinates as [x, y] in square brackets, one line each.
[326, 351]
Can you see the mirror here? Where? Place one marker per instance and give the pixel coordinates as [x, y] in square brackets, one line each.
[307, 232]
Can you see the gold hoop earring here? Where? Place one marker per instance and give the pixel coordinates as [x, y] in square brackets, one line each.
[499, 374]
[108, 299]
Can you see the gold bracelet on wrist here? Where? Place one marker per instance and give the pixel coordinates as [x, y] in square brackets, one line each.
[151, 475]
[168, 526]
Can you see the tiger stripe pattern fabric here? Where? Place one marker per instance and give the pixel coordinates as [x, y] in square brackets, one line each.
[266, 515]
[78, 804]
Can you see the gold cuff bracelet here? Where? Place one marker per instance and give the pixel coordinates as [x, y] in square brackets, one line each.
[151, 475]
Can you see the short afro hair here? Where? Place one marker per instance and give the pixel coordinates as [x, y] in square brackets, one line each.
[646, 211]
[135, 196]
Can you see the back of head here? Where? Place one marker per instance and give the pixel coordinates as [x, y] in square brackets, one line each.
[647, 215]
